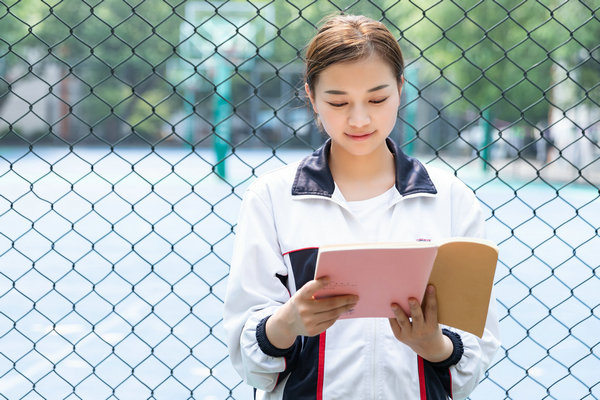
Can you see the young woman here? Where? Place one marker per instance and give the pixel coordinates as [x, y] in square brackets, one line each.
[358, 187]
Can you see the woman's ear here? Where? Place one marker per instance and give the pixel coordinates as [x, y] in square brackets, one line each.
[311, 97]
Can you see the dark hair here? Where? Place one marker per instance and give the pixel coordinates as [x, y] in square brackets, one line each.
[346, 38]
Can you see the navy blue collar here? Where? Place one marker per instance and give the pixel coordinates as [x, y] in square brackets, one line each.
[313, 176]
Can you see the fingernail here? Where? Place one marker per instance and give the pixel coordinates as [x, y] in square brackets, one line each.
[430, 288]
[394, 307]
[412, 302]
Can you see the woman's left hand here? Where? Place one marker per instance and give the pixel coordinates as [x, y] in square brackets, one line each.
[423, 334]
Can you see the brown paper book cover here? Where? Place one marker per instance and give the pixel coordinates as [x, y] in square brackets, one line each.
[461, 269]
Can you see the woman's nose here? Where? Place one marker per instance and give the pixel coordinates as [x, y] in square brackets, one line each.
[359, 117]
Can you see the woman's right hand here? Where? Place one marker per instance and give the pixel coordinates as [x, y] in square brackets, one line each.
[303, 315]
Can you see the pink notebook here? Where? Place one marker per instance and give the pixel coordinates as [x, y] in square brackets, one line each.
[380, 274]
[461, 269]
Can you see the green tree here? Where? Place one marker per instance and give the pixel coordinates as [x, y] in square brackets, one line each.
[16, 17]
[579, 53]
[490, 54]
[113, 58]
[470, 55]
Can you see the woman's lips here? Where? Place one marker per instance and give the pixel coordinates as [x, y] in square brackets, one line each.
[359, 135]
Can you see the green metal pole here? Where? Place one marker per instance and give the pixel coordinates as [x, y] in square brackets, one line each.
[410, 110]
[487, 137]
[221, 113]
[188, 104]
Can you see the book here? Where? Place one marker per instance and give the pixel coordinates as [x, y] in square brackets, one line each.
[461, 269]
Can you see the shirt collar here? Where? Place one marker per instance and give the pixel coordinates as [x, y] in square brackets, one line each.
[313, 176]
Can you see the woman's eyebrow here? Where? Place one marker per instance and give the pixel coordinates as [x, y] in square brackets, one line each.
[376, 88]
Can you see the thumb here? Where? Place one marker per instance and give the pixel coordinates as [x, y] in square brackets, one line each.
[313, 286]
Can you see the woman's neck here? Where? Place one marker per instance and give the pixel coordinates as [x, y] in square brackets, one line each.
[361, 177]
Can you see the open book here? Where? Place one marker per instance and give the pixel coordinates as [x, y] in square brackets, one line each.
[461, 269]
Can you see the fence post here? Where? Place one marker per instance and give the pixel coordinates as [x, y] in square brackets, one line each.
[487, 137]
[188, 104]
[222, 114]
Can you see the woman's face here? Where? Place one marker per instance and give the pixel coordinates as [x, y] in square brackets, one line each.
[357, 103]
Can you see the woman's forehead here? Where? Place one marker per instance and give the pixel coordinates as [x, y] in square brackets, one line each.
[366, 75]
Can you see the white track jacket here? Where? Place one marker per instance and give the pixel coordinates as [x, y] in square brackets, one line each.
[285, 216]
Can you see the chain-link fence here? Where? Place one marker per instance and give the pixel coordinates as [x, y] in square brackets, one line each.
[130, 129]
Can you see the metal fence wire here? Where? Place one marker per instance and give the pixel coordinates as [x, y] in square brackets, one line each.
[129, 130]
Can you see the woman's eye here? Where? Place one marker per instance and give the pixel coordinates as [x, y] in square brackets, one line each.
[343, 104]
[379, 101]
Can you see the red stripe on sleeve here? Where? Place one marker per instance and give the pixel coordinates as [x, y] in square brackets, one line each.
[321, 366]
[304, 248]
[284, 368]
[422, 389]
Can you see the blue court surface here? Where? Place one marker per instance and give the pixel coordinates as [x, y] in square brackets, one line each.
[113, 267]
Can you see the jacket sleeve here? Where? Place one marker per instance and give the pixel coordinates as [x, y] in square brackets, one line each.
[478, 352]
[254, 292]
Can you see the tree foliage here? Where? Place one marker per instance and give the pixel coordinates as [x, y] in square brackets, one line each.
[471, 55]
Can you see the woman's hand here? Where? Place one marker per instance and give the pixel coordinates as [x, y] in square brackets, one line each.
[423, 334]
[304, 315]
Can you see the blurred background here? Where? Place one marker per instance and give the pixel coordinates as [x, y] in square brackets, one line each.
[129, 131]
